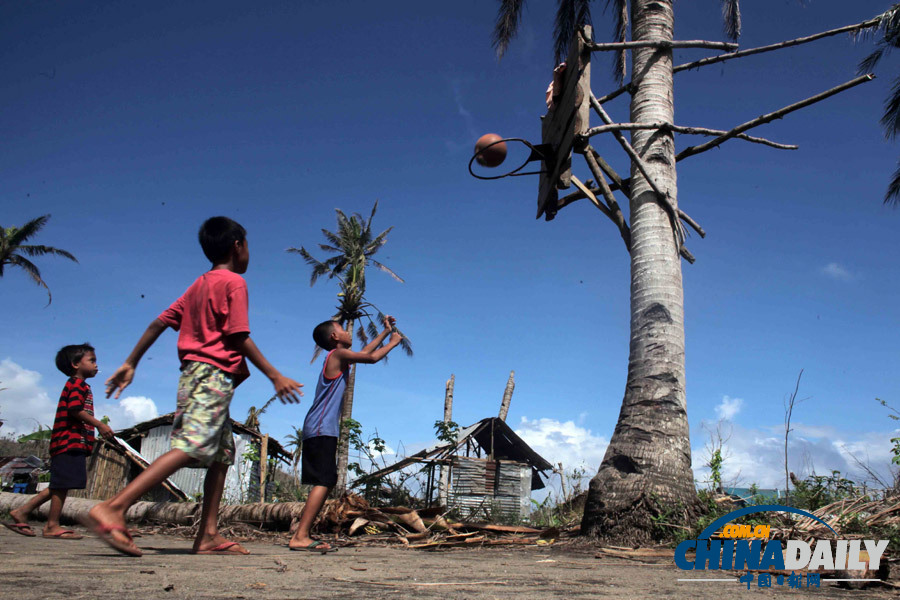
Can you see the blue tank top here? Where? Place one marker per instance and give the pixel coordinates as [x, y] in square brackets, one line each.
[323, 418]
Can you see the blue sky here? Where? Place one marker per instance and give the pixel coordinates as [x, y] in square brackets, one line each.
[131, 124]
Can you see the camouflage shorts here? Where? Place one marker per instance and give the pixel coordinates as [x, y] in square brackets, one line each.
[202, 427]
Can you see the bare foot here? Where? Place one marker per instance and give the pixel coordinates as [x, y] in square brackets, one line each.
[216, 544]
[57, 532]
[17, 516]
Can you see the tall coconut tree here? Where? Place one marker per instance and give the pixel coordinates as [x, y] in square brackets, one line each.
[648, 462]
[887, 29]
[253, 414]
[295, 440]
[13, 250]
[353, 247]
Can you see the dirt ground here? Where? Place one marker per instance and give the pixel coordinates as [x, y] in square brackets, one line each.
[32, 568]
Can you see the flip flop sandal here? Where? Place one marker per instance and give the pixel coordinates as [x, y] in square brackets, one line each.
[20, 528]
[314, 547]
[104, 532]
[224, 548]
[65, 534]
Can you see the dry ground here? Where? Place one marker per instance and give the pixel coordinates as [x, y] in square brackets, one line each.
[32, 568]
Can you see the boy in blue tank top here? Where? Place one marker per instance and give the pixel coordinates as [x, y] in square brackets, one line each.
[322, 425]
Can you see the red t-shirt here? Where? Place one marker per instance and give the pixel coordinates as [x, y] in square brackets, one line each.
[207, 314]
[71, 434]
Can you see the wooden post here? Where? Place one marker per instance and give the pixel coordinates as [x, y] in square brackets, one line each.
[263, 466]
[507, 395]
[443, 493]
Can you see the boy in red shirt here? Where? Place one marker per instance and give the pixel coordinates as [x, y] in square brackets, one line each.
[213, 342]
[71, 441]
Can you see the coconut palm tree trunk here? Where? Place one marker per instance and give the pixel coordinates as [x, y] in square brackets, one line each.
[648, 461]
[343, 454]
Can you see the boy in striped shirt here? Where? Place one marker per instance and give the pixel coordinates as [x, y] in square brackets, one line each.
[71, 441]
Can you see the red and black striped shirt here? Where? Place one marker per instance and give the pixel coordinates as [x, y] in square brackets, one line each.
[70, 433]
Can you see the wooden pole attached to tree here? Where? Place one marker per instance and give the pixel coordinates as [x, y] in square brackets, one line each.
[263, 466]
[507, 395]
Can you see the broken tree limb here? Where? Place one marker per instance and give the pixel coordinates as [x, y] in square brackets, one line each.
[762, 120]
[748, 52]
[684, 130]
[507, 395]
[622, 184]
[663, 198]
[616, 215]
[588, 193]
[684, 217]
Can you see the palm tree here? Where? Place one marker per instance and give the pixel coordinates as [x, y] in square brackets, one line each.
[12, 248]
[647, 465]
[888, 27]
[295, 440]
[253, 414]
[353, 247]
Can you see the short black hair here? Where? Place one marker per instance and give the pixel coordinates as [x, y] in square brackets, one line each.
[322, 334]
[217, 237]
[69, 355]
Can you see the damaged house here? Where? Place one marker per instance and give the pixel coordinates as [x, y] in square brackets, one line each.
[492, 472]
[113, 464]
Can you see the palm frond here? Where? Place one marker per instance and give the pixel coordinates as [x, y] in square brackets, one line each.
[892, 196]
[891, 118]
[620, 34]
[731, 17]
[387, 270]
[32, 270]
[373, 330]
[371, 216]
[407, 347]
[570, 15]
[373, 246]
[507, 25]
[328, 248]
[867, 65]
[21, 234]
[44, 250]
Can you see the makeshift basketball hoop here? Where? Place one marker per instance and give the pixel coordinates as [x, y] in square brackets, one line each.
[542, 152]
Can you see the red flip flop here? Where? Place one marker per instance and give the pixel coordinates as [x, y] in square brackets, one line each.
[104, 532]
[224, 548]
[65, 534]
[20, 528]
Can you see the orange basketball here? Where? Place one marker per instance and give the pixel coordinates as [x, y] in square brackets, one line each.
[489, 154]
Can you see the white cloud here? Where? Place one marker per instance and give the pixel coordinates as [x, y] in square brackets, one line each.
[836, 271]
[128, 411]
[728, 408]
[25, 403]
[757, 455]
[563, 442]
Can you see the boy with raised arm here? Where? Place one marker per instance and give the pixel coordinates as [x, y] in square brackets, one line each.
[213, 342]
[322, 425]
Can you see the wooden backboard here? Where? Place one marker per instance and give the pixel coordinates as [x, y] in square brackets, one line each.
[567, 117]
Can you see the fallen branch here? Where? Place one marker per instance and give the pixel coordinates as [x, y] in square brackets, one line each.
[595, 47]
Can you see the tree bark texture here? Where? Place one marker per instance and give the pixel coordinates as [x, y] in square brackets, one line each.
[343, 452]
[648, 462]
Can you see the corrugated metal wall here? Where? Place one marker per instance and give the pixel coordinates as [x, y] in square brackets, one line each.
[237, 481]
[483, 489]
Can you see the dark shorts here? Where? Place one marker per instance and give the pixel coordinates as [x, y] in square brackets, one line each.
[318, 458]
[68, 471]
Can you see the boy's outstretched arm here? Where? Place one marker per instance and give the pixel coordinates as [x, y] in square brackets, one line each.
[388, 328]
[286, 388]
[348, 356]
[124, 374]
